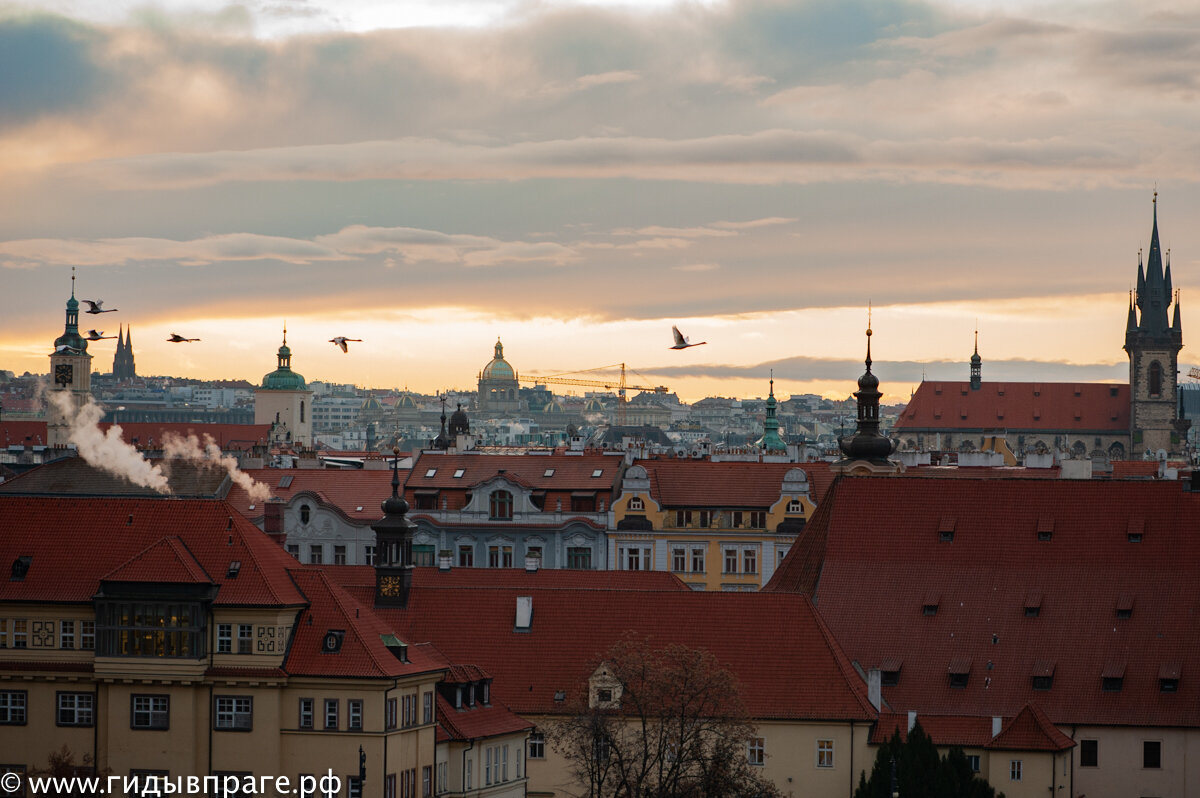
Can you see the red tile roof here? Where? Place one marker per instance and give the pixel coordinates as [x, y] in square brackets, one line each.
[479, 721]
[1031, 730]
[167, 561]
[74, 542]
[571, 472]
[965, 731]
[363, 576]
[872, 553]
[1082, 407]
[363, 652]
[801, 674]
[227, 436]
[703, 483]
[1134, 469]
[343, 489]
[14, 433]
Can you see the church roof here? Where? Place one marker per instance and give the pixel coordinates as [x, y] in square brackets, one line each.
[1048, 406]
[498, 368]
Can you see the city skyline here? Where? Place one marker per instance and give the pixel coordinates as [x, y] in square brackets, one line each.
[574, 179]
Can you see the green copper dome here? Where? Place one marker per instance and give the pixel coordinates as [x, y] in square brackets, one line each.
[71, 336]
[498, 368]
[283, 378]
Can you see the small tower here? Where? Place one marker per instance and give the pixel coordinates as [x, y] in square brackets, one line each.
[1153, 340]
[976, 366]
[771, 442]
[393, 546]
[867, 450]
[285, 400]
[70, 375]
[441, 442]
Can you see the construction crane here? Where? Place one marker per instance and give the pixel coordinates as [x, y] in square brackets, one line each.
[620, 384]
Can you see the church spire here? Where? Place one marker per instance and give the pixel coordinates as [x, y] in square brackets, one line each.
[867, 443]
[771, 441]
[976, 365]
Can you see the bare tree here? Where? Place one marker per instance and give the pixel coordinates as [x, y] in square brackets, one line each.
[660, 723]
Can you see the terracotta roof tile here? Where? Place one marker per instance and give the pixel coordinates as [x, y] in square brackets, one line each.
[571, 472]
[167, 561]
[945, 730]
[1047, 406]
[1031, 730]
[478, 722]
[346, 490]
[869, 559]
[703, 483]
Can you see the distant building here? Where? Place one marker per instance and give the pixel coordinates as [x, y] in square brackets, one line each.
[498, 391]
[123, 365]
[1083, 420]
[285, 401]
[70, 375]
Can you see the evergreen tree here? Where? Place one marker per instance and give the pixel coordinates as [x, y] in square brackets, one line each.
[920, 772]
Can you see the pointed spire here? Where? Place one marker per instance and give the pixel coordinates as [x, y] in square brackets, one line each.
[976, 364]
[1167, 275]
[1131, 325]
[1176, 325]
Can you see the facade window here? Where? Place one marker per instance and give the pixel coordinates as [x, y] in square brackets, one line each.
[443, 777]
[354, 787]
[749, 561]
[426, 781]
[137, 629]
[758, 519]
[294, 550]
[339, 555]
[389, 786]
[425, 501]
[354, 709]
[316, 554]
[824, 753]
[634, 556]
[13, 705]
[87, 635]
[1112, 684]
[468, 775]
[331, 713]
[76, 709]
[305, 513]
[245, 638]
[233, 713]
[389, 715]
[466, 556]
[150, 712]
[487, 768]
[306, 713]
[66, 634]
[678, 559]
[683, 518]
[704, 519]
[427, 707]
[19, 792]
[698, 560]
[579, 558]
[636, 503]
[20, 634]
[224, 638]
[583, 504]
[1089, 753]
[1156, 379]
[500, 505]
[500, 556]
[756, 751]
[369, 555]
[731, 561]
[1151, 754]
[1014, 770]
[795, 506]
[423, 555]
[537, 745]
[973, 762]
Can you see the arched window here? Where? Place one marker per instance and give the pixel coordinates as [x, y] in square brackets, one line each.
[1116, 452]
[1155, 379]
[500, 504]
[305, 513]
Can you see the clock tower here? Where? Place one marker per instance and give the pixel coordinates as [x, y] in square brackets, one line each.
[393, 547]
[70, 375]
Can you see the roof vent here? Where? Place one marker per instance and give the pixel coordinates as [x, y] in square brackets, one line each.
[1134, 531]
[20, 567]
[524, 614]
[235, 567]
[1045, 529]
[560, 695]
[331, 643]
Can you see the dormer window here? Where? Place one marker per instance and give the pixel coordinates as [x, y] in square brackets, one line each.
[235, 568]
[1168, 677]
[1124, 607]
[960, 673]
[331, 643]
[795, 506]
[1033, 605]
[305, 513]
[1134, 531]
[946, 529]
[500, 505]
[636, 503]
[1112, 678]
[1045, 529]
[20, 567]
[1043, 675]
[929, 605]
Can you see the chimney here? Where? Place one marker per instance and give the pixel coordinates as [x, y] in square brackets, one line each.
[532, 563]
[445, 560]
[273, 520]
[524, 614]
[997, 725]
[912, 719]
[875, 688]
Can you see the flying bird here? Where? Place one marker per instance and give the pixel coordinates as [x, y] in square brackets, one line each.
[176, 338]
[680, 341]
[92, 335]
[343, 342]
[96, 306]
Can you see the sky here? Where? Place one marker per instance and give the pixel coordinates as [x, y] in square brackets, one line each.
[573, 178]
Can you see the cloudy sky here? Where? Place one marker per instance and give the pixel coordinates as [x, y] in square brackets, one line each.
[574, 178]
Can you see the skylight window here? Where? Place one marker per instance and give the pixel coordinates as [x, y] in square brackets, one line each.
[458, 472]
[598, 472]
[235, 567]
[549, 472]
[286, 481]
[431, 472]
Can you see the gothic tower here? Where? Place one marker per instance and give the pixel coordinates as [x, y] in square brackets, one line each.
[1153, 341]
[976, 366]
[868, 449]
[123, 366]
[393, 546]
[70, 376]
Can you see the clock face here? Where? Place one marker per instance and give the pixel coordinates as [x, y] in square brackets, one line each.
[63, 374]
[390, 586]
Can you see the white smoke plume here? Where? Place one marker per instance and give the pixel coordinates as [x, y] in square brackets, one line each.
[106, 450]
[177, 447]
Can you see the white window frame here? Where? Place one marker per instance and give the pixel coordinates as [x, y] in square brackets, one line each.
[756, 751]
[1015, 769]
[537, 745]
[233, 713]
[155, 709]
[825, 753]
[638, 555]
[66, 634]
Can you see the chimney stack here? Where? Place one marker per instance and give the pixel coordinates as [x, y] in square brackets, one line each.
[273, 520]
[912, 719]
[997, 725]
[875, 688]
